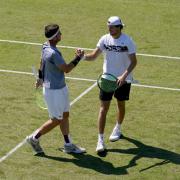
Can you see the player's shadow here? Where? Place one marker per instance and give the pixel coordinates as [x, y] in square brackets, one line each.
[145, 151]
[90, 162]
[140, 151]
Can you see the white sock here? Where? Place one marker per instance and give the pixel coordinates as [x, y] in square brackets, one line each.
[100, 137]
[34, 134]
[118, 126]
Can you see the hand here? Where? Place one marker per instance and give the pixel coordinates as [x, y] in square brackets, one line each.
[80, 53]
[121, 80]
[38, 83]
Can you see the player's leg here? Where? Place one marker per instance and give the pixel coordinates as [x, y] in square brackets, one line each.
[69, 147]
[55, 114]
[65, 106]
[122, 95]
[33, 139]
[47, 126]
[104, 107]
[116, 133]
[55, 109]
[120, 111]
[64, 127]
[105, 100]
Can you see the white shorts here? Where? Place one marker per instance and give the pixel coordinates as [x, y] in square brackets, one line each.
[57, 101]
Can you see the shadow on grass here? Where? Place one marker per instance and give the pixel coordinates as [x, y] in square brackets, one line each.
[146, 151]
[141, 151]
[90, 162]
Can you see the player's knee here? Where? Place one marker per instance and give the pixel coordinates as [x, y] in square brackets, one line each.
[104, 110]
[56, 120]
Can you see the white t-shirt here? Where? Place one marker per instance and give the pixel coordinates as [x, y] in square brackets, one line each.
[115, 52]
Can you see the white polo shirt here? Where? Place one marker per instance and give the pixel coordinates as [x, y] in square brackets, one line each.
[115, 52]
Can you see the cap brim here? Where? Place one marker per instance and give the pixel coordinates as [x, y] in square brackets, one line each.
[115, 24]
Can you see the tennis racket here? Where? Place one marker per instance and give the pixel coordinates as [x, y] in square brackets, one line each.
[39, 98]
[108, 82]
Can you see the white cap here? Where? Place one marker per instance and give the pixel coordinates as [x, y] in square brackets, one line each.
[114, 20]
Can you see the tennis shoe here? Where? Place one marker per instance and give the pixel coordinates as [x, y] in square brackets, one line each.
[115, 135]
[72, 148]
[35, 145]
[100, 146]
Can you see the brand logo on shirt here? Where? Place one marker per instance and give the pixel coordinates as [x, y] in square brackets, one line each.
[116, 48]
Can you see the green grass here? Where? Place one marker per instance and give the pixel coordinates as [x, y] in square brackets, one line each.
[151, 146]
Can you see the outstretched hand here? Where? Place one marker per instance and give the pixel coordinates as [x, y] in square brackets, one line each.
[79, 52]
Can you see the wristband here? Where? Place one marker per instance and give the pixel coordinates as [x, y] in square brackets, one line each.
[76, 60]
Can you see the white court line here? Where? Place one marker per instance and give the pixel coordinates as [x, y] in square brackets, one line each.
[15, 72]
[28, 73]
[74, 101]
[24, 141]
[83, 79]
[156, 87]
[80, 79]
[72, 47]
[82, 94]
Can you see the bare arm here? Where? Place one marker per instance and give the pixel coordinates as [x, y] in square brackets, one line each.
[132, 57]
[68, 67]
[93, 55]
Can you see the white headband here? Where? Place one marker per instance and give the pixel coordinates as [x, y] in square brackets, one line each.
[50, 38]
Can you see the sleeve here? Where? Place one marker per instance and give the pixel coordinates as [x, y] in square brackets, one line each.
[100, 43]
[131, 46]
[58, 59]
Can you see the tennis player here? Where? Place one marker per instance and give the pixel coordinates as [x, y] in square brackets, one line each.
[119, 60]
[55, 91]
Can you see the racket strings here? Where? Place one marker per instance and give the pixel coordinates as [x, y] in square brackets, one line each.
[40, 99]
[107, 85]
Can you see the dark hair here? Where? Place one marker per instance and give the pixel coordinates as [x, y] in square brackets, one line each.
[50, 30]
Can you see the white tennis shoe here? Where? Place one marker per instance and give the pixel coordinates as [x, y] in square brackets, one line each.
[35, 145]
[72, 148]
[115, 135]
[100, 146]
